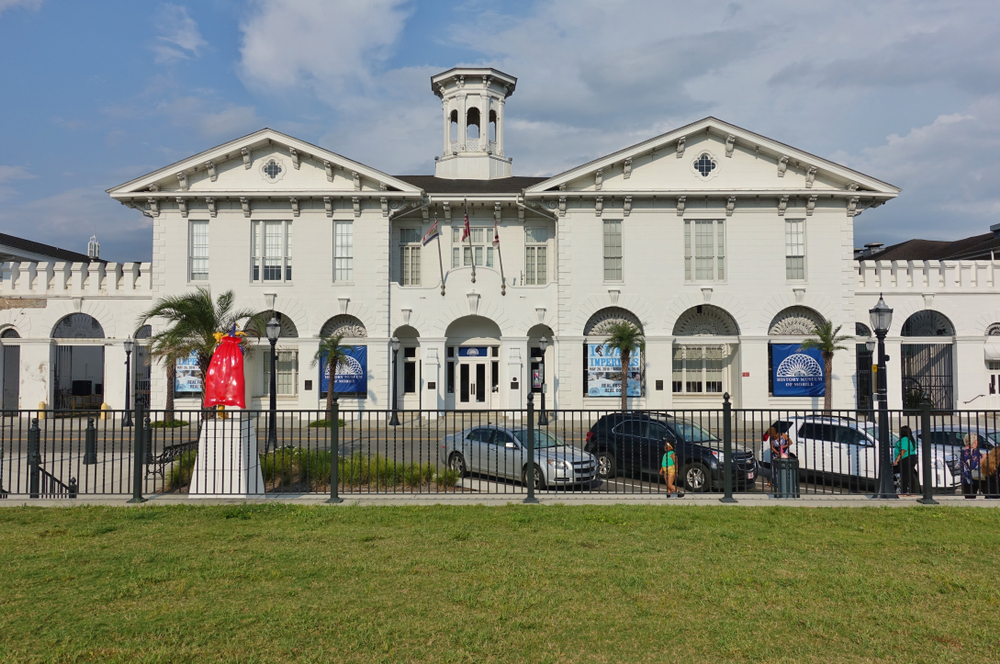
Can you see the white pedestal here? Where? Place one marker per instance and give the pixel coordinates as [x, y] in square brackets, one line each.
[228, 464]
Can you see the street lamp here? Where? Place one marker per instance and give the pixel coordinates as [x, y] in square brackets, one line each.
[273, 330]
[129, 347]
[543, 418]
[881, 319]
[394, 419]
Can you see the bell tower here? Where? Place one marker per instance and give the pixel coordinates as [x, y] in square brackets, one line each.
[472, 102]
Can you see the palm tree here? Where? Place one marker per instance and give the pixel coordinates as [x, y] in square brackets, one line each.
[193, 319]
[335, 354]
[827, 341]
[626, 338]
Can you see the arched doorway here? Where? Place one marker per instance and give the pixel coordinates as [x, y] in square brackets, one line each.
[865, 387]
[791, 325]
[287, 361]
[11, 370]
[352, 383]
[142, 365]
[603, 376]
[78, 381]
[705, 357]
[473, 363]
[926, 361]
[409, 374]
[542, 359]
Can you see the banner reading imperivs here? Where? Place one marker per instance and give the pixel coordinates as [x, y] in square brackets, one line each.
[797, 372]
[604, 367]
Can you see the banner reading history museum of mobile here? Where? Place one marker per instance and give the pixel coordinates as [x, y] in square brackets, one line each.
[797, 372]
[352, 374]
[604, 367]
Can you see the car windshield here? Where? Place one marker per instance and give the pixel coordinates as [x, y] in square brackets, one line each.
[872, 431]
[693, 433]
[543, 439]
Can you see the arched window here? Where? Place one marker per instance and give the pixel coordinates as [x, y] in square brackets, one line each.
[493, 126]
[472, 120]
[454, 126]
[700, 368]
[78, 326]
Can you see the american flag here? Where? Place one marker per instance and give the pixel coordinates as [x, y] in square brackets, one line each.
[496, 236]
[466, 232]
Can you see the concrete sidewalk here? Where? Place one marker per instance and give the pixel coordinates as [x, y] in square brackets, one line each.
[752, 500]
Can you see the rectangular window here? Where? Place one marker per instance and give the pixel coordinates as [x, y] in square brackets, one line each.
[461, 253]
[272, 251]
[198, 250]
[409, 257]
[704, 250]
[698, 369]
[409, 377]
[287, 377]
[343, 251]
[795, 249]
[612, 250]
[535, 257]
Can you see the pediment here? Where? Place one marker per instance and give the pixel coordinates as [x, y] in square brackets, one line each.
[264, 162]
[712, 155]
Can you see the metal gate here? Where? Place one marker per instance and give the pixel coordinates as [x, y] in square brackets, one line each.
[866, 389]
[927, 372]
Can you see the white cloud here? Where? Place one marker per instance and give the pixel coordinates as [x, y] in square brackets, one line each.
[27, 4]
[179, 38]
[8, 173]
[230, 122]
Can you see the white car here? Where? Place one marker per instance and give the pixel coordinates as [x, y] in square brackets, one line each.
[847, 450]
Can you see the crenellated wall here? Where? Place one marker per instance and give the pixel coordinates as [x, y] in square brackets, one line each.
[92, 279]
[922, 276]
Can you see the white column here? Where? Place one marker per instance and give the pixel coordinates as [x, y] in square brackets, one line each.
[433, 351]
[447, 129]
[500, 105]
[484, 122]
[514, 363]
[894, 372]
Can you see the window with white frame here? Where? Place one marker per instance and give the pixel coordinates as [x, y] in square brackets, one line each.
[272, 251]
[462, 254]
[612, 250]
[198, 250]
[795, 249]
[409, 257]
[535, 257]
[698, 369]
[704, 250]
[287, 375]
[343, 251]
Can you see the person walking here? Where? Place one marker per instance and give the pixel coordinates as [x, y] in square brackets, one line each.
[906, 457]
[668, 468]
[779, 448]
[970, 458]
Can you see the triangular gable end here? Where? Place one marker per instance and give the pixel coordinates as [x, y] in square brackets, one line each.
[206, 167]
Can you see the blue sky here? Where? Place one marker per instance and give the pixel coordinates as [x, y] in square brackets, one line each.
[99, 92]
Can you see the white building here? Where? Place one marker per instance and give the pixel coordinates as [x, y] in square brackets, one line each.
[719, 242]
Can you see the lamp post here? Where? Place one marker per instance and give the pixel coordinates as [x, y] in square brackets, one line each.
[273, 330]
[394, 419]
[543, 418]
[870, 347]
[127, 416]
[881, 319]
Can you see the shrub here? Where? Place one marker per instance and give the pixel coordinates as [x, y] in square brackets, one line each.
[181, 470]
[322, 424]
[168, 424]
[446, 478]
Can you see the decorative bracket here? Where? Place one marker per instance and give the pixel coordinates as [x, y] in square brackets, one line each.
[210, 202]
[627, 168]
[342, 303]
[296, 162]
[782, 166]
[426, 214]
[406, 314]
[853, 186]
[782, 206]
[182, 206]
[182, 180]
[613, 295]
[357, 180]
[154, 206]
[730, 145]
[385, 206]
[213, 175]
[328, 204]
[329, 170]
[730, 206]
[247, 161]
[681, 200]
[357, 205]
[680, 146]
[627, 206]
[520, 213]
[447, 210]
[497, 211]
[540, 313]
[473, 300]
[245, 202]
[810, 177]
[154, 188]
[811, 205]
[852, 206]
[562, 206]
[598, 179]
[295, 205]
[599, 205]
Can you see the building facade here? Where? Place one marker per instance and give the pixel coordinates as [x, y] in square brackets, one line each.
[720, 243]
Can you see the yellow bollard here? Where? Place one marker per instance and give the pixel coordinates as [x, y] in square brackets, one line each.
[104, 411]
[41, 410]
[222, 412]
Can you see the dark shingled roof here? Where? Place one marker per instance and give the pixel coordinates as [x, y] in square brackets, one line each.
[436, 185]
[971, 248]
[44, 249]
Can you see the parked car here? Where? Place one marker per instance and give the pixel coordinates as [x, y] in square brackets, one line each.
[846, 450]
[501, 452]
[633, 443]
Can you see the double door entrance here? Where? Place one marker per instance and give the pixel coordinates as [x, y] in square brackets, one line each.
[478, 377]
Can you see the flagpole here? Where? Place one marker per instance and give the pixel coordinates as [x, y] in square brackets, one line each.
[496, 243]
[468, 229]
[440, 260]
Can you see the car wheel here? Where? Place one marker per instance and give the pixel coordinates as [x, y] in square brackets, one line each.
[539, 478]
[606, 466]
[696, 478]
[457, 463]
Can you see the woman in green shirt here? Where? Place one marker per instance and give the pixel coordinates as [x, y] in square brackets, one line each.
[668, 469]
[905, 452]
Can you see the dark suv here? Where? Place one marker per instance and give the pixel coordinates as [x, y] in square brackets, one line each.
[633, 443]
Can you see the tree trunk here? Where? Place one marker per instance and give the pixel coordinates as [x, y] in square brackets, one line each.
[168, 416]
[329, 397]
[625, 357]
[827, 382]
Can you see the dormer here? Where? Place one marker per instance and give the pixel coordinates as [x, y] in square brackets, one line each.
[472, 102]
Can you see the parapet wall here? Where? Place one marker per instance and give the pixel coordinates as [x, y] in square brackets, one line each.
[53, 279]
[923, 276]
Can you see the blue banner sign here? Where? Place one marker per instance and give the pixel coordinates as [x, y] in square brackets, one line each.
[797, 372]
[187, 379]
[352, 374]
[473, 351]
[604, 369]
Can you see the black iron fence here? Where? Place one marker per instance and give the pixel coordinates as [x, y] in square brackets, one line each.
[48, 454]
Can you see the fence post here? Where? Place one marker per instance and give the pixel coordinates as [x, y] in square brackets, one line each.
[529, 474]
[334, 451]
[147, 442]
[34, 458]
[137, 456]
[925, 453]
[90, 445]
[727, 450]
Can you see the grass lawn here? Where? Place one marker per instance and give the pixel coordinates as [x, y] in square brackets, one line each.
[621, 584]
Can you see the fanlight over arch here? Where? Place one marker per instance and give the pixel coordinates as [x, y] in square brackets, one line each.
[993, 330]
[9, 333]
[928, 323]
[795, 321]
[600, 324]
[78, 326]
[344, 324]
[861, 330]
[288, 328]
[706, 320]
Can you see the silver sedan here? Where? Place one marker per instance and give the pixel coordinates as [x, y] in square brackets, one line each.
[501, 452]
